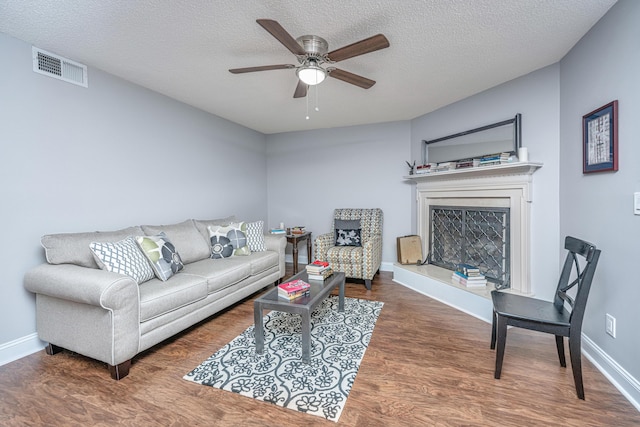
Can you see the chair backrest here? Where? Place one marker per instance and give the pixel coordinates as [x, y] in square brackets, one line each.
[583, 276]
[370, 220]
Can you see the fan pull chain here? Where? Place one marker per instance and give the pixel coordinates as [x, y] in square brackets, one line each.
[317, 108]
[307, 98]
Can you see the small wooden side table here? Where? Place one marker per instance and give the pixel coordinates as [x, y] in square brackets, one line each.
[294, 239]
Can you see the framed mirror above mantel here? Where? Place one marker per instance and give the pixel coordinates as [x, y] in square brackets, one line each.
[501, 137]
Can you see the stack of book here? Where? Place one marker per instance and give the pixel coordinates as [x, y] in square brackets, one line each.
[467, 163]
[426, 168]
[445, 166]
[277, 231]
[494, 159]
[319, 270]
[297, 230]
[469, 276]
[293, 289]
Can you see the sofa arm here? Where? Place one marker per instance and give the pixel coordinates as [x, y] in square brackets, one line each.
[322, 244]
[92, 312]
[84, 285]
[277, 243]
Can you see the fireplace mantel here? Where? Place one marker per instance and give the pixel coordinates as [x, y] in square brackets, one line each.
[516, 168]
[507, 185]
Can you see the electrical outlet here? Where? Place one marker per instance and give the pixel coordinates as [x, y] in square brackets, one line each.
[610, 325]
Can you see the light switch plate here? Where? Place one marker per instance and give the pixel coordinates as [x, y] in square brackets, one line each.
[636, 203]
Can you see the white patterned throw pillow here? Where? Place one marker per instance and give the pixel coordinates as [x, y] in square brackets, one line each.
[123, 257]
[255, 236]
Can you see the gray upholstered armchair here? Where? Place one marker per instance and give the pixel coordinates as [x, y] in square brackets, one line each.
[355, 244]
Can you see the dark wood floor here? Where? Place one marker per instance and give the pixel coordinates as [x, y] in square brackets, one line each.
[427, 364]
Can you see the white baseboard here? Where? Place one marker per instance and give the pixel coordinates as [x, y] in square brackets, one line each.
[616, 374]
[19, 348]
[386, 266]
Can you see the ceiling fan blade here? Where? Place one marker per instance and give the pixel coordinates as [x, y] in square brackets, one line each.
[301, 90]
[281, 35]
[370, 44]
[354, 79]
[262, 68]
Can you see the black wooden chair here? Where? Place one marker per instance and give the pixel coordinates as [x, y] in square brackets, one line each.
[562, 317]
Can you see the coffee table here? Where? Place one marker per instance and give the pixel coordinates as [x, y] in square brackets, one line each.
[302, 306]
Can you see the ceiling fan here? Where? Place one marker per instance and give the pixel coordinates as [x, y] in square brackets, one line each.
[311, 53]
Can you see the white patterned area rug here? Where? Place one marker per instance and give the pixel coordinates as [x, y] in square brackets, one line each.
[278, 375]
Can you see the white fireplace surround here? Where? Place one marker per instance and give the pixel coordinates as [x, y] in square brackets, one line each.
[508, 185]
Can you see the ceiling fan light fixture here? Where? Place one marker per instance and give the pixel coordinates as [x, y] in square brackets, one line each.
[311, 74]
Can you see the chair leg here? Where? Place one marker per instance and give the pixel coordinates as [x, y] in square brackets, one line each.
[367, 284]
[560, 347]
[493, 332]
[501, 331]
[576, 363]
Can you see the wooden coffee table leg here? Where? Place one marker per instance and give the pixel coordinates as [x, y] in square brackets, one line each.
[258, 330]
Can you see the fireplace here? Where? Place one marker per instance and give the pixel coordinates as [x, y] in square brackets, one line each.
[495, 202]
[472, 235]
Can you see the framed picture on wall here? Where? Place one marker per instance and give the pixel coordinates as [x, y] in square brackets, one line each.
[600, 139]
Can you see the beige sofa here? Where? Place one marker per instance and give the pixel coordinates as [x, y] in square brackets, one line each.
[111, 318]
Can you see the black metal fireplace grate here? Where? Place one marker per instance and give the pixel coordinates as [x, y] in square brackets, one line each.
[472, 235]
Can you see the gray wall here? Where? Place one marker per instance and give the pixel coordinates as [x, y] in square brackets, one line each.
[602, 67]
[102, 158]
[536, 97]
[313, 172]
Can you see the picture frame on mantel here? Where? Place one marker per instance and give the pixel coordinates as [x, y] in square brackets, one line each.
[600, 139]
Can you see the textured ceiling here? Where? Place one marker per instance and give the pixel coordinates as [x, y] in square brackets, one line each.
[441, 50]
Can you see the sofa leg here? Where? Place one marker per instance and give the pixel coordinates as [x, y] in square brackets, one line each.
[51, 349]
[120, 371]
[367, 284]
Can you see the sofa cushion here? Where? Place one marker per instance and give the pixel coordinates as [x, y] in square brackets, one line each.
[162, 255]
[123, 257]
[255, 236]
[203, 224]
[157, 297]
[220, 273]
[185, 237]
[263, 261]
[73, 248]
[347, 232]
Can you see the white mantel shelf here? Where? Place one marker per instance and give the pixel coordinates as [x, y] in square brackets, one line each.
[515, 168]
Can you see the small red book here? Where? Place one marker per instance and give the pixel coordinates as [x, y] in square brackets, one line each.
[293, 286]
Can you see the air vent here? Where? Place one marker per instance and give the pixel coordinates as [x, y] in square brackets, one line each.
[55, 66]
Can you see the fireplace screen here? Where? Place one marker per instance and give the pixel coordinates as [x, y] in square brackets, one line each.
[472, 235]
